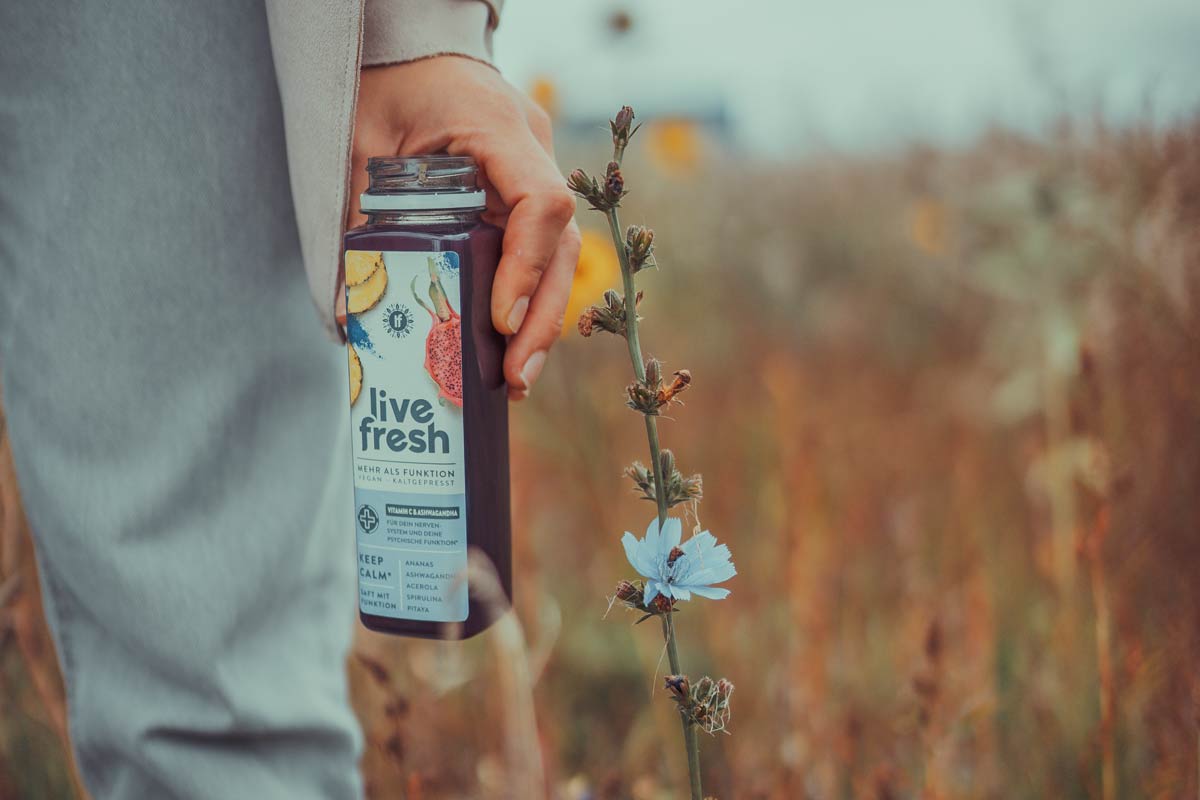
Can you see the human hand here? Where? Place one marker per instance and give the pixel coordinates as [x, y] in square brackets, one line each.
[463, 107]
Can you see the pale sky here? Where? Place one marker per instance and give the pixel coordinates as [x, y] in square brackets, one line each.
[858, 75]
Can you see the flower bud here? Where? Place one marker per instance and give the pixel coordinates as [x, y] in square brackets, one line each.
[579, 182]
[639, 247]
[641, 399]
[678, 686]
[586, 187]
[629, 593]
[614, 185]
[653, 372]
[620, 128]
[666, 462]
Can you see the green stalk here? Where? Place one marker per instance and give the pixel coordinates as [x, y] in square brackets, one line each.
[690, 740]
[632, 338]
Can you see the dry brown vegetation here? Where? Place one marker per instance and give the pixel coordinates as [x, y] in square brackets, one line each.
[949, 422]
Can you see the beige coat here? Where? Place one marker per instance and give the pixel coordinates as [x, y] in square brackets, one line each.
[318, 48]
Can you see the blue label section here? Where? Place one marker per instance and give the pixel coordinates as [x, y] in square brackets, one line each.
[410, 554]
[405, 357]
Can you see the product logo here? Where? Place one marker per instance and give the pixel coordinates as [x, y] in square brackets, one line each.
[402, 425]
[368, 520]
[399, 320]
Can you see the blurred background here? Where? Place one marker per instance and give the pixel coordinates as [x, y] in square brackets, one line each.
[935, 268]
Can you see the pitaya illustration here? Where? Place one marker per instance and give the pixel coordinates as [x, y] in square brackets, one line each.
[443, 346]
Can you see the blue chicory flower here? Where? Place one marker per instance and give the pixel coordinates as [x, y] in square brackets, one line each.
[699, 564]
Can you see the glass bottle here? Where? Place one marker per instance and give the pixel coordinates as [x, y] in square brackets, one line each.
[429, 408]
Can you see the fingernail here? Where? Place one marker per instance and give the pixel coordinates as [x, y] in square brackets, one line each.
[517, 315]
[533, 368]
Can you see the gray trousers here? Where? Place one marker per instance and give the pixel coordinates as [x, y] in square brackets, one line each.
[177, 417]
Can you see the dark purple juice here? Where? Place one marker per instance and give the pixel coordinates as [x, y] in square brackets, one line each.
[430, 451]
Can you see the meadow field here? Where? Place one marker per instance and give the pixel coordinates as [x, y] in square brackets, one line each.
[947, 409]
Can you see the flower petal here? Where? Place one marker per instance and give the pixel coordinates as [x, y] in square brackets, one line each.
[652, 536]
[711, 592]
[633, 552]
[651, 592]
[719, 554]
[672, 532]
[699, 543]
[717, 573]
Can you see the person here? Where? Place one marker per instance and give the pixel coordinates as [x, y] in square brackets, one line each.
[177, 412]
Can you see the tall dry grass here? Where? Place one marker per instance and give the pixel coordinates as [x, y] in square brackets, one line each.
[950, 425]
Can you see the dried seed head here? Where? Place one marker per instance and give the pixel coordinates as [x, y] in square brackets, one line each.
[609, 317]
[675, 554]
[586, 320]
[642, 479]
[685, 490]
[649, 396]
[681, 381]
[708, 704]
[662, 604]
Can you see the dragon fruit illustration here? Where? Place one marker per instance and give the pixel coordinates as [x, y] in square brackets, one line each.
[443, 346]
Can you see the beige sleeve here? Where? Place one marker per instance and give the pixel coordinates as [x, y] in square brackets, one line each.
[395, 31]
[318, 47]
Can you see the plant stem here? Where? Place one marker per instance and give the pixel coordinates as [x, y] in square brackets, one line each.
[633, 339]
[689, 728]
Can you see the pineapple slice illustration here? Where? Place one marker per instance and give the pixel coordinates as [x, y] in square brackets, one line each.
[365, 295]
[356, 373]
[361, 265]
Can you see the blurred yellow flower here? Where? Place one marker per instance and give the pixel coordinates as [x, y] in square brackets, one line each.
[675, 145]
[545, 94]
[598, 269]
[928, 226]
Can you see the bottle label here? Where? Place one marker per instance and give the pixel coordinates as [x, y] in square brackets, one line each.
[405, 352]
